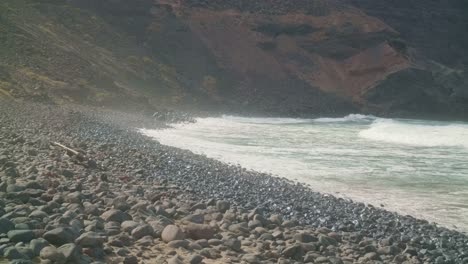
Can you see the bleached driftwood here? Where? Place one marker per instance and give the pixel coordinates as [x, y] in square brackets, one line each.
[69, 150]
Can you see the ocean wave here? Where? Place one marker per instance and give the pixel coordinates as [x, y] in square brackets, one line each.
[348, 118]
[424, 135]
[266, 120]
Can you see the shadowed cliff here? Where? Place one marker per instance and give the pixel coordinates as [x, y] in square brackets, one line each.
[293, 58]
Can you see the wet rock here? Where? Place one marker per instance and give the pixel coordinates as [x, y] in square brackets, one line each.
[6, 225]
[20, 235]
[60, 236]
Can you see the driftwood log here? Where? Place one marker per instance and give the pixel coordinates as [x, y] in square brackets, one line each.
[70, 151]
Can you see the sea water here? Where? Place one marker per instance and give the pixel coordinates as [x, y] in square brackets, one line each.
[414, 167]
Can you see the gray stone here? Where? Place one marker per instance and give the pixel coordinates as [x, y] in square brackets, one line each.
[20, 236]
[223, 206]
[179, 244]
[68, 173]
[130, 260]
[327, 241]
[251, 258]
[13, 253]
[25, 250]
[335, 260]
[372, 256]
[195, 218]
[254, 224]
[52, 254]
[115, 215]
[199, 231]
[215, 242]
[21, 261]
[175, 260]
[71, 252]
[38, 214]
[198, 206]
[120, 203]
[142, 231]
[90, 240]
[305, 238]
[389, 250]
[294, 251]
[145, 241]
[195, 259]
[74, 197]
[6, 225]
[37, 245]
[91, 209]
[128, 226]
[60, 236]
[276, 219]
[233, 244]
[171, 233]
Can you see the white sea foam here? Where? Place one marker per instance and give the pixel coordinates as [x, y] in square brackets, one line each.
[417, 134]
[348, 118]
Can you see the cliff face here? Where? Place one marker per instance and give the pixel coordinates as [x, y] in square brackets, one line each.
[298, 57]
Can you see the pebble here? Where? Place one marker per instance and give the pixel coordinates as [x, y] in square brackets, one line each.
[171, 233]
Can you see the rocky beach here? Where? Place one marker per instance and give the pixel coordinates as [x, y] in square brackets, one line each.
[81, 185]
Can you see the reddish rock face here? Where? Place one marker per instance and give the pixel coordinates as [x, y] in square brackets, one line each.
[278, 57]
[332, 51]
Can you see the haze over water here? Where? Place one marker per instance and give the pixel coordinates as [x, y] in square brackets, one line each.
[410, 166]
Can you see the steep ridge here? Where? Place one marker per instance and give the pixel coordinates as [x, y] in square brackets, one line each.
[297, 57]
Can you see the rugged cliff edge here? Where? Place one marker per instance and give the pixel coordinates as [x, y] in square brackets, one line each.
[266, 57]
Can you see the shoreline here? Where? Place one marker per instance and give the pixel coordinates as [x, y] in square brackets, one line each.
[350, 232]
[194, 138]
